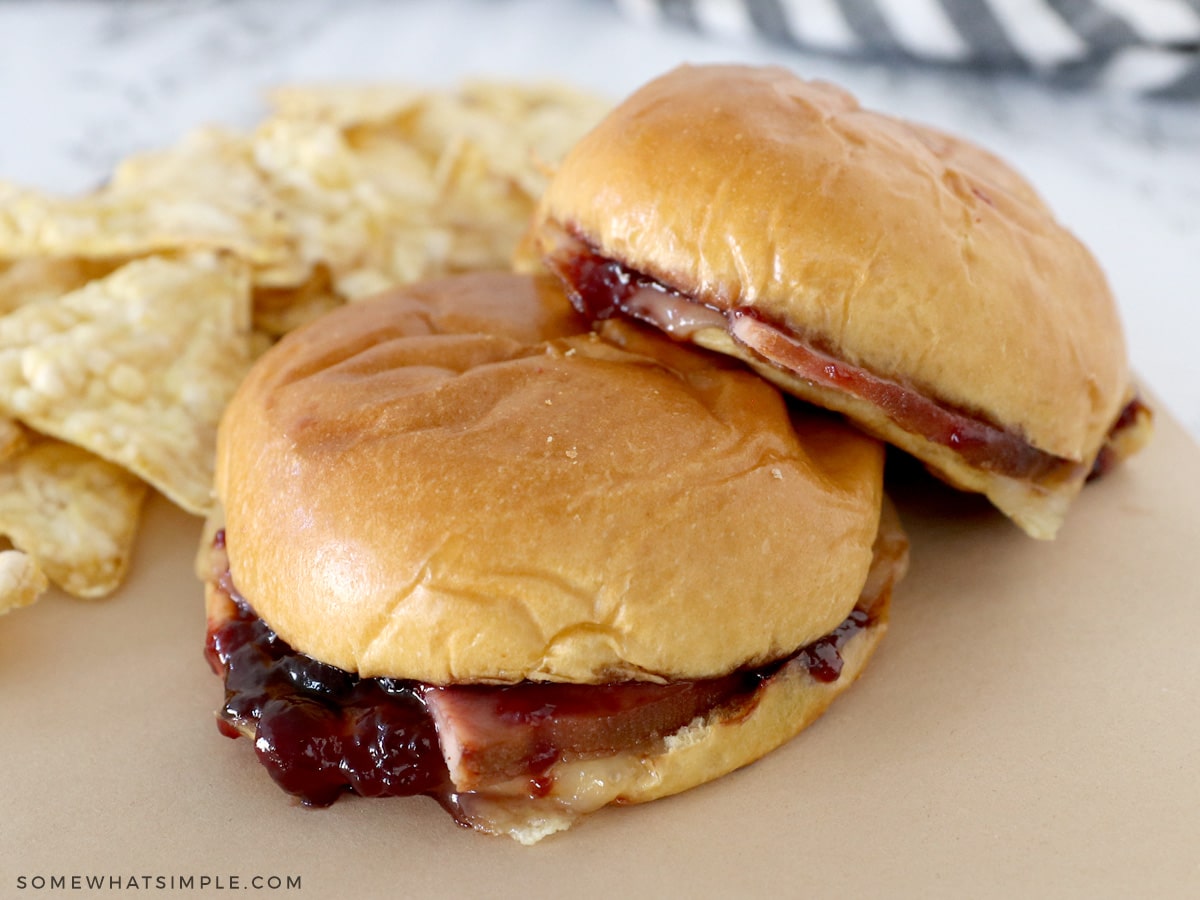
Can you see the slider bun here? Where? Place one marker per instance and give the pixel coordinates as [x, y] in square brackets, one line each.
[915, 255]
[451, 484]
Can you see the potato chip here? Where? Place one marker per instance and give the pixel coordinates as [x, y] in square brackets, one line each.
[379, 185]
[347, 105]
[13, 438]
[72, 513]
[344, 105]
[523, 131]
[21, 581]
[337, 207]
[35, 279]
[205, 193]
[280, 310]
[136, 367]
[389, 185]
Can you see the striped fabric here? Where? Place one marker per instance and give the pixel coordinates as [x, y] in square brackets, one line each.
[1143, 46]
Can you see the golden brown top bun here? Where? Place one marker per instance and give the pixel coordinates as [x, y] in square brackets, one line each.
[453, 484]
[912, 254]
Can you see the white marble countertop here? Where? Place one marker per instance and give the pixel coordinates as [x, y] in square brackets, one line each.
[83, 84]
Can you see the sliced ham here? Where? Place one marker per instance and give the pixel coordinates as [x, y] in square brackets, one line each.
[491, 734]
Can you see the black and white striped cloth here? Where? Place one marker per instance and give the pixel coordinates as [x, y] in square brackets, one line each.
[1150, 47]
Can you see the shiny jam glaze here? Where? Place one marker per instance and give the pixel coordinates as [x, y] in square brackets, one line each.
[823, 657]
[321, 731]
[602, 288]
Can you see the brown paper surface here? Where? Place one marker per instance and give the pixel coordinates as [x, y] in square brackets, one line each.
[1030, 727]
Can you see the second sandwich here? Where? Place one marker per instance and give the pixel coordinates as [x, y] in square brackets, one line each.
[870, 265]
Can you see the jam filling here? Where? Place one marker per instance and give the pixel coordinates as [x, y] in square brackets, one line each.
[321, 731]
[601, 288]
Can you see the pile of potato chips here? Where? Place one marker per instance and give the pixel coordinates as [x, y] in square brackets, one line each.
[128, 316]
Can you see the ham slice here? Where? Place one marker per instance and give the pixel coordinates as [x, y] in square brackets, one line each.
[491, 734]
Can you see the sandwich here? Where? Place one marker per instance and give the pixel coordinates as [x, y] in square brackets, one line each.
[905, 278]
[470, 549]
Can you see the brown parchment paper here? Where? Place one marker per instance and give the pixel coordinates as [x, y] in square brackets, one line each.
[1030, 727]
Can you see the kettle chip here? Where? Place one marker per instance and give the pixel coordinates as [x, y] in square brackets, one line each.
[73, 514]
[21, 581]
[136, 367]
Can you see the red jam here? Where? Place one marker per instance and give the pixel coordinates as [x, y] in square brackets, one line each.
[601, 288]
[823, 657]
[321, 731]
